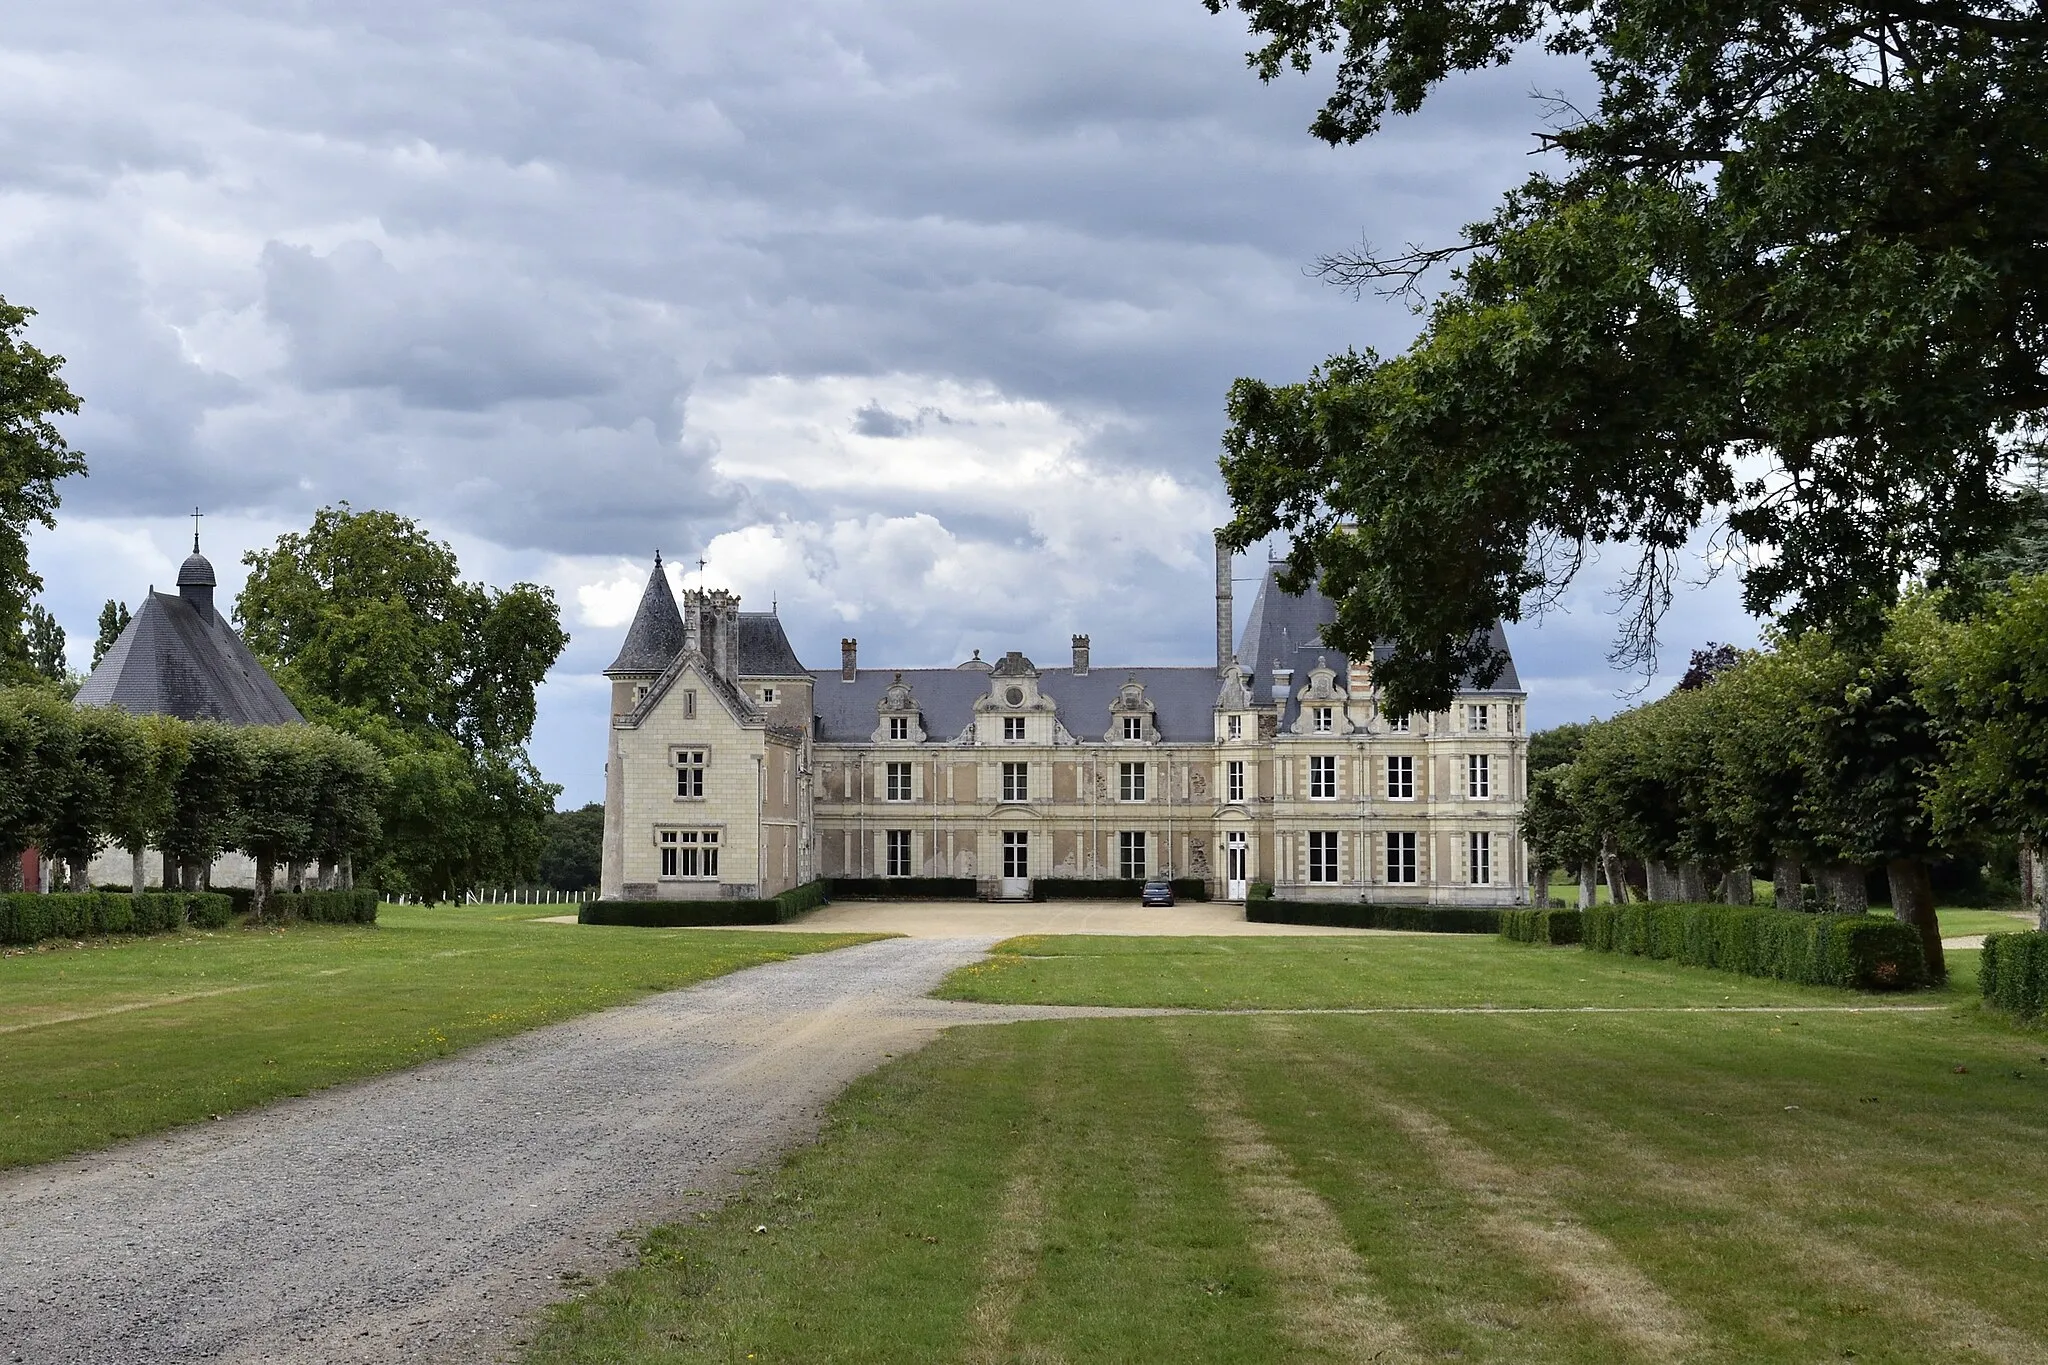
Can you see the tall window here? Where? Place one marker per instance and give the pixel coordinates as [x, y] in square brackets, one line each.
[1134, 727]
[1401, 857]
[1130, 782]
[1324, 719]
[1478, 776]
[1233, 780]
[1016, 853]
[689, 853]
[1322, 855]
[1400, 777]
[898, 778]
[690, 765]
[1016, 782]
[1481, 858]
[1130, 854]
[1013, 728]
[1476, 717]
[1233, 727]
[1322, 777]
[899, 727]
[1397, 725]
[897, 843]
[689, 703]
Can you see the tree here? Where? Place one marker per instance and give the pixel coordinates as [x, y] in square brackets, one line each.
[114, 619]
[108, 774]
[366, 622]
[1557, 745]
[147, 820]
[277, 800]
[33, 457]
[1709, 664]
[352, 783]
[42, 645]
[37, 736]
[205, 815]
[1783, 281]
[574, 853]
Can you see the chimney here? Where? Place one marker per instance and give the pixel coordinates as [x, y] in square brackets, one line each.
[1226, 645]
[1080, 656]
[848, 669]
[1283, 683]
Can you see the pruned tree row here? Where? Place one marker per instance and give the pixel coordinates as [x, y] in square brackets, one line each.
[1815, 761]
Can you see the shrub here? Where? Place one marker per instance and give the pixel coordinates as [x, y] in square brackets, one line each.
[2013, 975]
[29, 918]
[901, 888]
[327, 907]
[1258, 891]
[1111, 888]
[1428, 919]
[1554, 926]
[706, 914]
[1860, 951]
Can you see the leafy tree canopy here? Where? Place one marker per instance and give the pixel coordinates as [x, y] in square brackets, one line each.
[33, 457]
[114, 618]
[1785, 282]
[573, 857]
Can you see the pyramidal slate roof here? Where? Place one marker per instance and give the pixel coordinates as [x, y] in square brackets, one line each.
[765, 651]
[656, 635]
[179, 657]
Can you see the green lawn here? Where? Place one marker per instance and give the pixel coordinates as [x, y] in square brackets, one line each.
[128, 1036]
[1956, 922]
[1367, 972]
[1520, 1189]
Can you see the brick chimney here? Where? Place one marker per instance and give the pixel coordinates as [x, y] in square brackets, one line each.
[1080, 656]
[849, 649]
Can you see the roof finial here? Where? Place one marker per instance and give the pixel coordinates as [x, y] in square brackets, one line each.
[657, 559]
[196, 514]
[701, 564]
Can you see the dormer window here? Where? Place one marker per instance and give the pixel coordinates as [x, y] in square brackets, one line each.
[1134, 727]
[899, 727]
[1324, 719]
[1013, 729]
[1233, 727]
[1398, 725]
[1476, 718]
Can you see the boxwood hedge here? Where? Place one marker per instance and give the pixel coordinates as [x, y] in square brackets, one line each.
[1860, 951]
[1554, 926]
[705, 914]
[1428, 919]
[2013, 974]
[29, 918]
[1111, 888]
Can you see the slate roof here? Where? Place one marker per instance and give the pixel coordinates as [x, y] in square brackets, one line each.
[1185, 699]
[765, 651]
[173, 660]
[656, 635]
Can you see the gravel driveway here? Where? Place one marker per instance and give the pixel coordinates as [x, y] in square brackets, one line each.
[418, 1215]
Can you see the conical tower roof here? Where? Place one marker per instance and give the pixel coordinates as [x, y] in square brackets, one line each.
[656, 635]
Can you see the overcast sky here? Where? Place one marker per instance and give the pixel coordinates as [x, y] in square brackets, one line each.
[915, 318]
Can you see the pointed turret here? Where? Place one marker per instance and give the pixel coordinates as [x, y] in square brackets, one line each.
[657, 634]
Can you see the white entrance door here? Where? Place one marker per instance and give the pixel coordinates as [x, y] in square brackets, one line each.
[1016, 864]
[1234, 860]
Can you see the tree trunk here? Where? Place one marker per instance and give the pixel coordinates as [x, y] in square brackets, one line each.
[1785, 889]
[1692, 883]
[138, 870]
[1913, 903]
[1589, 882]
[266, 865]
[295, 875]
[324, 878]
[2028, 889]
[2039, 906]
[81, 873]
[1617, 881]
[1737, 888]
[1846, 892]
[10, 871]
[1659, 881]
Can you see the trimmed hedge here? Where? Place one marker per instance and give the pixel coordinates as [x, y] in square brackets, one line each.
[327, 907]
[902, 888]
[1111, 888]
[1553, 926]
[29, 918]
[1860, 951]
[1427, 919]
[796, 901]
[2013, 974]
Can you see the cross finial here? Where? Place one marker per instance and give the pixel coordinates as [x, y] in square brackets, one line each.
[196, 514]
[701, 564]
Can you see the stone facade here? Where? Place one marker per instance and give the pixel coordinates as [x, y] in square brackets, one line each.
[1277, 765]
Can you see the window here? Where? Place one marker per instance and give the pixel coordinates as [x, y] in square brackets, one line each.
[768, 696]
[1400, 777]
[689, 703]
[1325, 719]
[1134, 727]
[1233, 780]
[1016, 853]
[899, 727]
[898, 775]
[1476, 717]
[1482, 858]
[1130, 854]
[689, 853]
[1233, 727]
[1478, 776]
[1397, 725]
[690, 774]
[1322, 777]
[897, 847]
[1013, 728]
[1130, 782]
[1016, 782]
[1401, 857]
[1322, 855]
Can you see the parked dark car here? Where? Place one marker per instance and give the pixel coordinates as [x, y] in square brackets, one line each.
[1158, 891]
